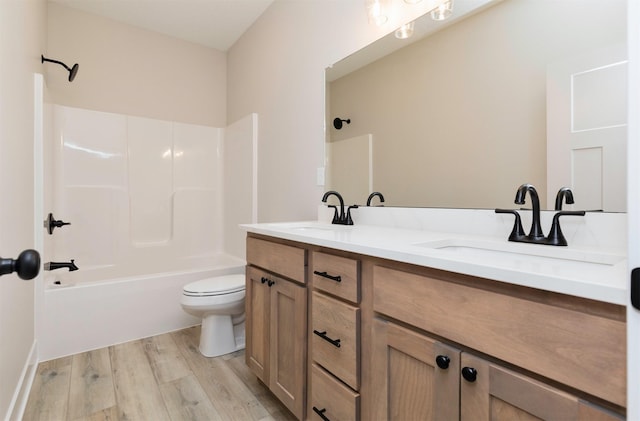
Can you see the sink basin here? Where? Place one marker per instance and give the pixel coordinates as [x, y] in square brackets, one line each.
[509, 250]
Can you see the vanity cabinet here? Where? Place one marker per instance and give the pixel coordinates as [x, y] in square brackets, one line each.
[563, 341]
[276, 319]
[335, 337]
[491, 392]
[391, 340]
[418, 377]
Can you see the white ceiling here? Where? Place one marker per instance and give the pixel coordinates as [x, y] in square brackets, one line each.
[213, 23]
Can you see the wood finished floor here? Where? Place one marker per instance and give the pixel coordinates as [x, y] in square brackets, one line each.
[163, 377]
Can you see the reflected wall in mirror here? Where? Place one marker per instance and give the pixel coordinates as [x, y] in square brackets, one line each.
[459, 119]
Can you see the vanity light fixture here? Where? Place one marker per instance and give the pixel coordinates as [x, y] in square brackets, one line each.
[443, 11]
[405, 31]
[377, 11]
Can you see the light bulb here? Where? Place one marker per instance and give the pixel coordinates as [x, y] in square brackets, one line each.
[443, 11]
[377, 11]
[405, 31]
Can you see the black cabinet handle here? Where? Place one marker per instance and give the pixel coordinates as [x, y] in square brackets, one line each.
[323, 335]
[321, 412]
[443, 361]
[326, 275]
[267, 280]
[470, 374]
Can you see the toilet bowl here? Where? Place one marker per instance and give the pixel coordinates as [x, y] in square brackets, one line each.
[219, 301]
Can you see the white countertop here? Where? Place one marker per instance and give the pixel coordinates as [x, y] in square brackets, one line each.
[586, 272]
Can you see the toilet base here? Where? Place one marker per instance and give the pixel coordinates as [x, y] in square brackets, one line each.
[218, 336]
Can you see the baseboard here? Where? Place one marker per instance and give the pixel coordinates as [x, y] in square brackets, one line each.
[21, 395]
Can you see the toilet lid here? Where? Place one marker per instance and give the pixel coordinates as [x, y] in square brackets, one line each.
[218, 285]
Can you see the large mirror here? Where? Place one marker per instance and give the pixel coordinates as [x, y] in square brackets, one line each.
[518, 91]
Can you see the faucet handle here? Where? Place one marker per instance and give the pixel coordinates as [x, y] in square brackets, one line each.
[336, 219]
[555, 237]
[517, 233]
[348, 220]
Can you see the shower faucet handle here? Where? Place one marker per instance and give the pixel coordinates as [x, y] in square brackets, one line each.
[51, 223]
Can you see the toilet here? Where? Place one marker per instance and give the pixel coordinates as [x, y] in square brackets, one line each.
[219, 301]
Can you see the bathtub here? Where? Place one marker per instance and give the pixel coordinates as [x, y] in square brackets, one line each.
[97, 307]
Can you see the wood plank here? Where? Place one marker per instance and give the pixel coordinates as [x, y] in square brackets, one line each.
[133, 372]
[186, 400]
[259, 389]
[109, 414]
[91, 384]
[137, 392]
[228, 394]
[49, 395]
[165, 358]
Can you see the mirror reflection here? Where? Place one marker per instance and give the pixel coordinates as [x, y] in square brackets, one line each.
[523, 91]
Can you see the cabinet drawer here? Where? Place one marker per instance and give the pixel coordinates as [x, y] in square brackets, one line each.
[331, 398]
[337, 275]
[278, 258]
[336, 338]
[582, 350]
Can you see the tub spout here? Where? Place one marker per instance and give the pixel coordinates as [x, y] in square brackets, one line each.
[59, 265]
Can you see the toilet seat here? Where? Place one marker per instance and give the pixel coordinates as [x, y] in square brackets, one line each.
[220, 285]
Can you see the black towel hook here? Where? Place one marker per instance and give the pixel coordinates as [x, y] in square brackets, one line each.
[337, 122]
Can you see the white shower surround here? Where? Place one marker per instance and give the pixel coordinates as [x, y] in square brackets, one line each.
[134, 189]
[145, 202]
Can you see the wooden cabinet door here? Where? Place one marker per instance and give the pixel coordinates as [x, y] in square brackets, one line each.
[408, 383]
[257, 323]
[287, 378]
[491, 392]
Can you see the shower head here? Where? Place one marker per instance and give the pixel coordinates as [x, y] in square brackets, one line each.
[72, 70]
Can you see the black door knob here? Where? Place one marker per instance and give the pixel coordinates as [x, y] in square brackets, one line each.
[470, 374]
[27, 265]
[443, 361]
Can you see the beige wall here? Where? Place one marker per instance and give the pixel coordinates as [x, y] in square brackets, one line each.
[277, 70]
[459, 118]
[22, 38]
[133, 71]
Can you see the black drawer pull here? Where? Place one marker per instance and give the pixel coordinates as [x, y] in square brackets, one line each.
[323, 335]
[263, 280]
[326, 275]
[321, 412]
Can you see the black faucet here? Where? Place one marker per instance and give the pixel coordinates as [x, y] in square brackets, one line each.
[536, 230]
[555, 237]
[340, 218]
[59, 265]
[374, 194]
[564, 194]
